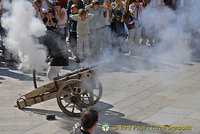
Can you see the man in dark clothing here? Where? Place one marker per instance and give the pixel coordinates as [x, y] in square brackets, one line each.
[57, 52]
[118, 27]
[72, 29]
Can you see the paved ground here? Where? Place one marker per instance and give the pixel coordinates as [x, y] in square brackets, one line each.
[136, 92]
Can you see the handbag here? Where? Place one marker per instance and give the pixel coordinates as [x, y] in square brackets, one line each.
[131, 25]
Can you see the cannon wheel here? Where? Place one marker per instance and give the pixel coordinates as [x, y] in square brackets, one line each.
[96, 90]
[72, 96]
[95, 85]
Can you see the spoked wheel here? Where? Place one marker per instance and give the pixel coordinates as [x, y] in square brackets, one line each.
[95, 88]
[74, 95]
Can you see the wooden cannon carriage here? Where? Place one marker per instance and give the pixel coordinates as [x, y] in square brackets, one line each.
[74, 91]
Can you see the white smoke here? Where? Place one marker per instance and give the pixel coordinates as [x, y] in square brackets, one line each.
[172, 30]
[22, 26]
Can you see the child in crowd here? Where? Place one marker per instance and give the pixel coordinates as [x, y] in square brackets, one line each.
[72, 28]
[50, 20]
[83, 31]
[119, 30]
[61, 16]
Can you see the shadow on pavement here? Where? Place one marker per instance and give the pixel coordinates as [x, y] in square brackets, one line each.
[105, 116]
[67, 122]
[6, 72]
[112, 118]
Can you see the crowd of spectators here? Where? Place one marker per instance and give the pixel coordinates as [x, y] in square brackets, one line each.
[92, 26]
[108, 24]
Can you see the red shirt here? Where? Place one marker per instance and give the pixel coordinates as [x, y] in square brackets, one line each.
[63, 2]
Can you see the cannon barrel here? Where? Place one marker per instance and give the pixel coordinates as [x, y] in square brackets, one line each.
[91, 68]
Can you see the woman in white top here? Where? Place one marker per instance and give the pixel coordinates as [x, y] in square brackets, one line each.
[61, 17]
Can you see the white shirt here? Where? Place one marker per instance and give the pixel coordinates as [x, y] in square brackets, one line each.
[83, 27]
[64, 21]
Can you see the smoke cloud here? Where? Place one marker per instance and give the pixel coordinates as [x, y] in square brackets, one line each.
[172, 30]
[22, 27]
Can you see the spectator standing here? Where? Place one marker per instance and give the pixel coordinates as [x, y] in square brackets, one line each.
[72, 29]
[61, 17]
[107, 30]
[146, 35]
[119, 29]
[79, 3]
[39, 11]
[50, 20]
[97, 25]
[135, 9]
[83, 31]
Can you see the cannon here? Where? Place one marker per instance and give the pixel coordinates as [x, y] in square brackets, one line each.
[74, 91]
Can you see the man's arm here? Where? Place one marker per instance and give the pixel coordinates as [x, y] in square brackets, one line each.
[111, 20]
[53, 22]
[42, 14]
[74, 17]
[88, 6]
[69, 4]
[110, 12]
[132, 10]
